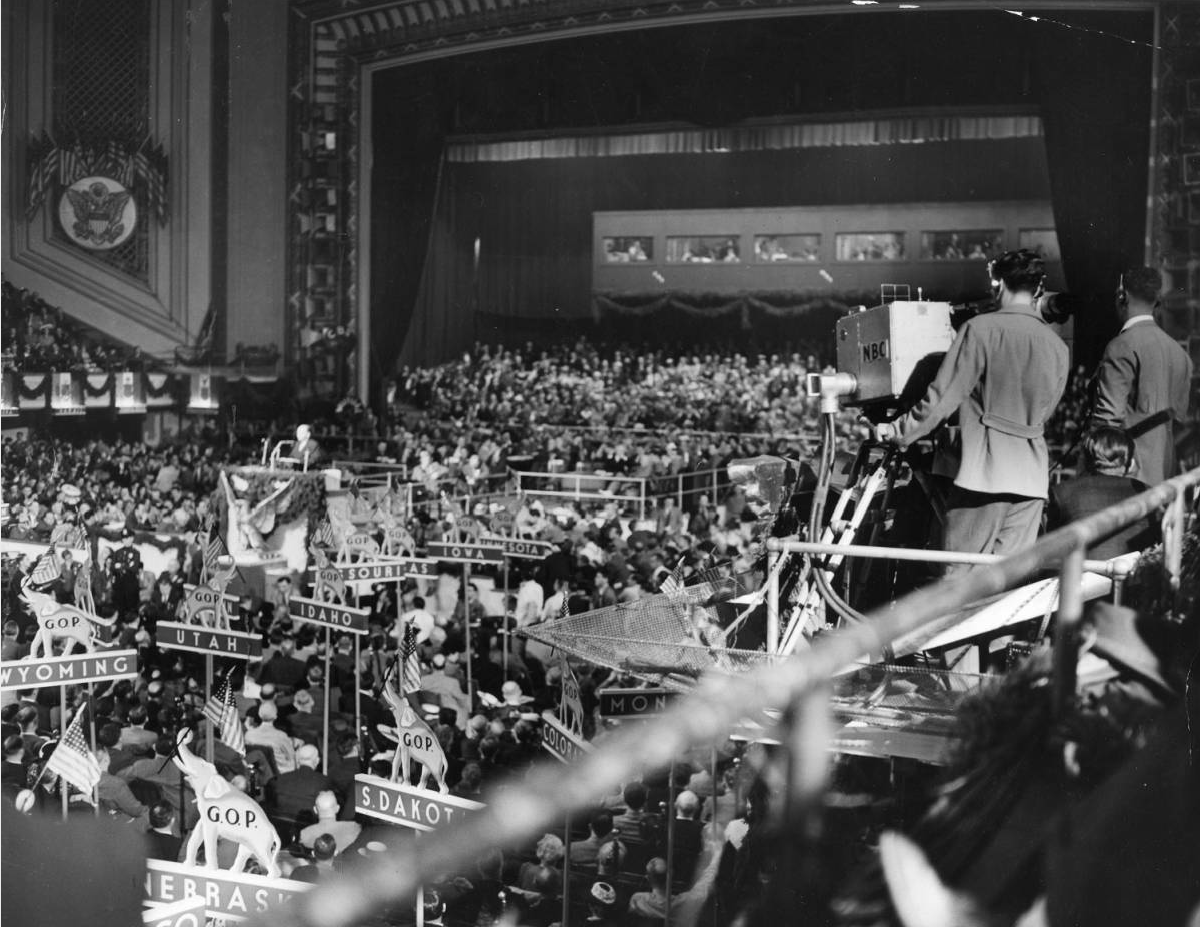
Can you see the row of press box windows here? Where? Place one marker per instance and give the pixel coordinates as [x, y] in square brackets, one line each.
[962, 245]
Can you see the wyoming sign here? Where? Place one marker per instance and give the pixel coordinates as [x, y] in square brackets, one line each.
[62, 671]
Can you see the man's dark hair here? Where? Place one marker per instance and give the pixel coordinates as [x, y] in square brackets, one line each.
[602, 823]
[165, 745]
[137, 714]
[1142, 284]
[26, 716]
[1022, 271]
[1107, 449]
[109, 735]
[418, 602]
[13, 744]
[161, 814]
[324, 848]
[635, 796]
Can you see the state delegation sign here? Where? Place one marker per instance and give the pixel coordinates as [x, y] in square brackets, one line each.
[526, 550]
[560, 742]
[466, 553]
[634, 703]
[199, 639]
[61, 671]
[419, 809]
[329, 614]
[188, 912]
[231, 895]
[386, 571]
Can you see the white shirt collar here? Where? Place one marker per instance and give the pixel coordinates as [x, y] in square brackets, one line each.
[1137, 320]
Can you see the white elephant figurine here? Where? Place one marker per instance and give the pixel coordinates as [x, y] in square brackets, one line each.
[225, 814]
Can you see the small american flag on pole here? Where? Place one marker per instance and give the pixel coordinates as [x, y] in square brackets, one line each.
[672, 584]
[214, 547]
[73, 759]
[410, 679]
[222, 712]
[46, 569]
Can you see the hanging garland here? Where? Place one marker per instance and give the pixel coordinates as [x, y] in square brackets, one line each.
[167, 387]
[25, 391]
[306, 498]
[780, 303]
[105, 387]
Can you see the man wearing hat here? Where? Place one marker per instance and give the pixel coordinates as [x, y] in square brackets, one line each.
[126, 566]
[305, 723]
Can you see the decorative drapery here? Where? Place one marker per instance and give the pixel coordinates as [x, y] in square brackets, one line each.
[900, 130]
[782, 304]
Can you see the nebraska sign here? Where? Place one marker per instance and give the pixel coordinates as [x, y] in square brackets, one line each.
[231, 895]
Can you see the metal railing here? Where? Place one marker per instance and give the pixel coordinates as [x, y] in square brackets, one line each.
[615, 487]
[799, 685]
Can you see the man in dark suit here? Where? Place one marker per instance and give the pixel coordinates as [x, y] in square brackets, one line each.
[1144, 378]
[1108, 457]
[160, 842]
[1003, 375]
[295, 792]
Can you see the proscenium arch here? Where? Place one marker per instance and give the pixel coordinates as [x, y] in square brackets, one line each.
[529, 25]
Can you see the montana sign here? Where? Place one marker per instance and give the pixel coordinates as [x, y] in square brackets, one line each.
[61, 671]
[467, 553]
[199, 639]
[407, 806]
[342, 617]
[633, 703]
[231, 895]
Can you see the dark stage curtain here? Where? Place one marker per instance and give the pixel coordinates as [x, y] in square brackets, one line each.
[1094, 94]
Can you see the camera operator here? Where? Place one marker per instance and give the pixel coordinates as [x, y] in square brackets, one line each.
[1144, 377]
[1003, 375]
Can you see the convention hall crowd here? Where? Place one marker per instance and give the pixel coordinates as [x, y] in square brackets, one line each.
[691, 835]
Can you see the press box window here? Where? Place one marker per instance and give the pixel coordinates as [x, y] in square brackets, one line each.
[629, 250]
[869, 246]
[970, 245]
[703, 249]
[787, 249]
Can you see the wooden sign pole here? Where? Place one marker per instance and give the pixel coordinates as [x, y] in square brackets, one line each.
[325, 747]
[63, 787]
[467, 621]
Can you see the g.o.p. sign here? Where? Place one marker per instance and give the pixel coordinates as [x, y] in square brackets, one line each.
[231, 895]
[419, 809]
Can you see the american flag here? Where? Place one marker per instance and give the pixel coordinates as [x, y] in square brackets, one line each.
[323, 534]
[672, 585]
[222, 712]
[214, 547]
[46, 569]
[73, 759]
[410, 680]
